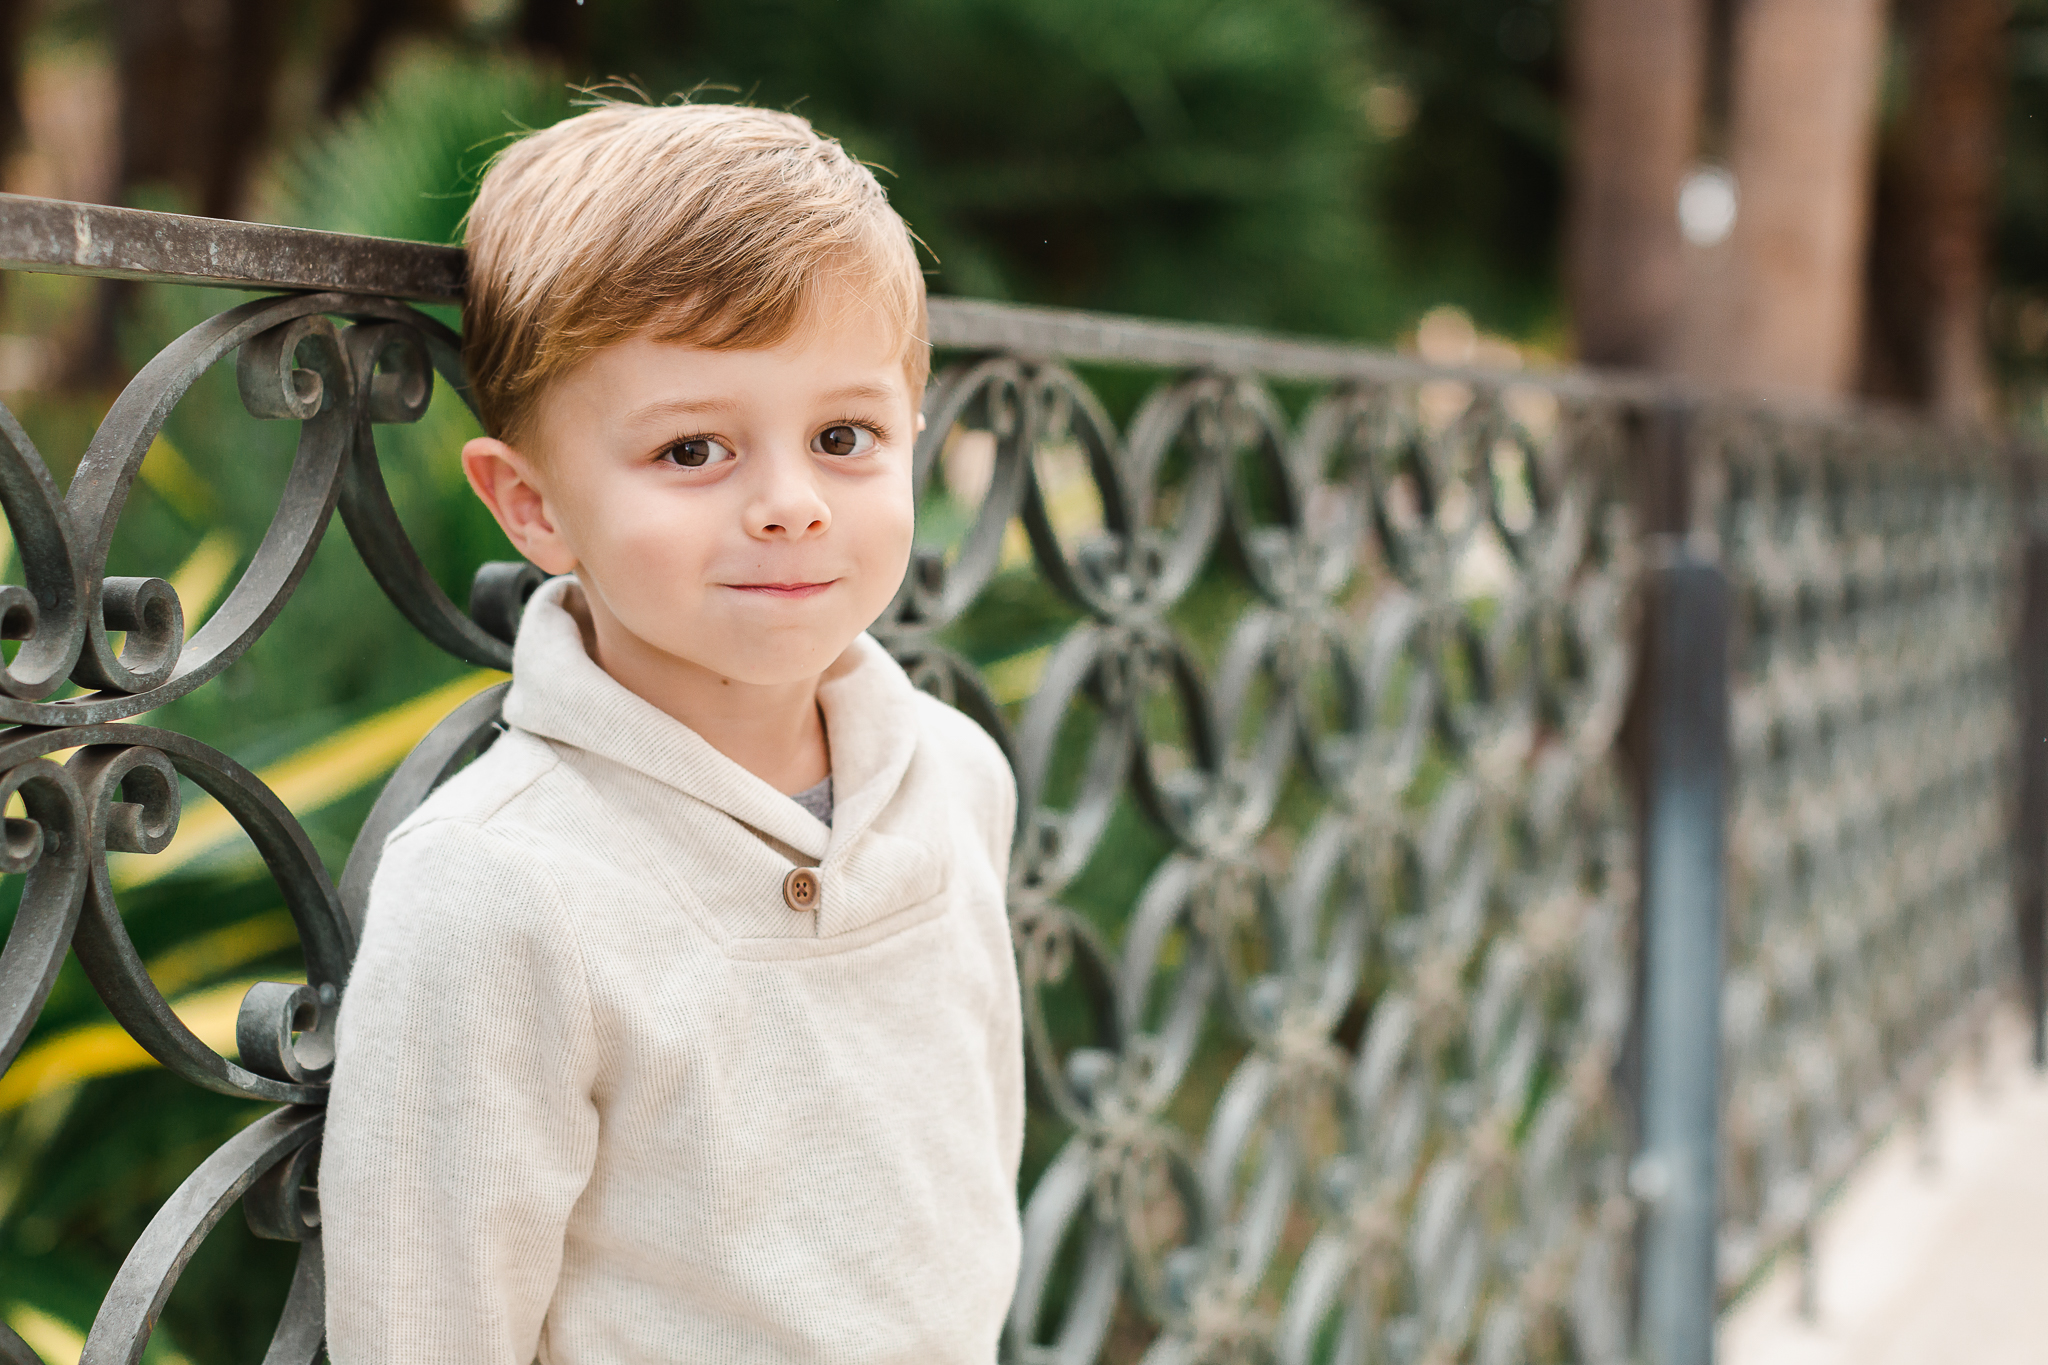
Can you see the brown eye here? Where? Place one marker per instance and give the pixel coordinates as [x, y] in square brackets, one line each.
[697, 452]
[844, 439]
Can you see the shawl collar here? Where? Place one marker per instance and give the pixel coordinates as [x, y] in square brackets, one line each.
[868, 702]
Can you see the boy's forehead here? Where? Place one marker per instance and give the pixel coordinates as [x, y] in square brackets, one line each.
[645, 375]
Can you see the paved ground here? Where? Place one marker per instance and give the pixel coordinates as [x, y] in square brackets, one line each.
[1924, 1263]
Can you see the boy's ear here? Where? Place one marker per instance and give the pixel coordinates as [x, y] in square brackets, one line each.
[505, 481]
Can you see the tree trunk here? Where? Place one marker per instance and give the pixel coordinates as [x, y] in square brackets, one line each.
[1937, 178]
[196, 79]
[1634, 69]
[369, 29]
[13, 20]
[558, 28]
[1803, 108]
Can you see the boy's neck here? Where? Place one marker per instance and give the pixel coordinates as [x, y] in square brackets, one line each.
[774, 731]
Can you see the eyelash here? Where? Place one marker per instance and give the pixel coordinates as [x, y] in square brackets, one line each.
[873, 429]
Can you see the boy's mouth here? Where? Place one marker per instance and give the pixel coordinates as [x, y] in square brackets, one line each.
[783, 589]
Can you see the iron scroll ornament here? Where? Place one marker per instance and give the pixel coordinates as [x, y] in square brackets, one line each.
[119, 789]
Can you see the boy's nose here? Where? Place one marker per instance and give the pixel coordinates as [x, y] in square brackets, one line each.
[786, 502]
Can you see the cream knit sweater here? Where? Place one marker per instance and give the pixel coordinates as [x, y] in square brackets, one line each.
[603, 1098]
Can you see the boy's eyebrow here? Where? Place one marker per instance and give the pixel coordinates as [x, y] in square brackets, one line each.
[878, 393]
[685, 407]
[680, 407]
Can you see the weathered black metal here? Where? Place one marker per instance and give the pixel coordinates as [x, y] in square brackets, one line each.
[15, 1351]
[54, 237]
[119, 789]
[1684, 835]
[1875, 567]
[129, 1313]
[1402, 881]
[466, 732]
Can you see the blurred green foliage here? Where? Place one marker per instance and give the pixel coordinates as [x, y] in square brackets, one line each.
[1472, 194]
[1075, 153]
[1325, 166]
[1238, 161]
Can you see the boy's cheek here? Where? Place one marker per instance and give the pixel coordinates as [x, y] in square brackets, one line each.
[899, 515]
[890, 531]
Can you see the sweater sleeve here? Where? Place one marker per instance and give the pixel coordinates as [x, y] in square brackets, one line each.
[997, 808]
[461, 1126]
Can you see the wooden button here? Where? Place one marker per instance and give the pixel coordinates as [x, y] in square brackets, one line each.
[800, 889]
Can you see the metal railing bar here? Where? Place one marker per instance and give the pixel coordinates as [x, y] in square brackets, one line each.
[1113, 339]
[52, 236]
[55, 236]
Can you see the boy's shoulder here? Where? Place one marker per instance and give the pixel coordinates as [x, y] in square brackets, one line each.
[976, 768]
[490, 790]
[958, 738]
[473, 864]
[518, 808]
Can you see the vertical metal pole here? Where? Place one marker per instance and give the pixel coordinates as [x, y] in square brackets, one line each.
[2030, 811]
[1684, 842]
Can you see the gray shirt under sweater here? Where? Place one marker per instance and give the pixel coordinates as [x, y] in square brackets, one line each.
[817, 800]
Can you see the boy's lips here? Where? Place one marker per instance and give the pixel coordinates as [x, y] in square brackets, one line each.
[783, 589]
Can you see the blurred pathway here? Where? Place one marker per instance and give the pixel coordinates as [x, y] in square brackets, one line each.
[1926, 1264]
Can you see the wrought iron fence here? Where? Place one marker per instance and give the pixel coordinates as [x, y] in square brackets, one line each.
[1874, 755]
[1366, 891]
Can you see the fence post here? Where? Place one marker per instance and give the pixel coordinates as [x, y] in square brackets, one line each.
[2030, 811]
[1684, 785]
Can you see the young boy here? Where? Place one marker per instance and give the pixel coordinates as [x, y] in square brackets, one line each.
[685, 1025]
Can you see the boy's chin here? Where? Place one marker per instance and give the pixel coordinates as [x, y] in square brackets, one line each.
[760, 665]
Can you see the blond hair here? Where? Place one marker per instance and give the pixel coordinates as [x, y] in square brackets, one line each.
[710, 224]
